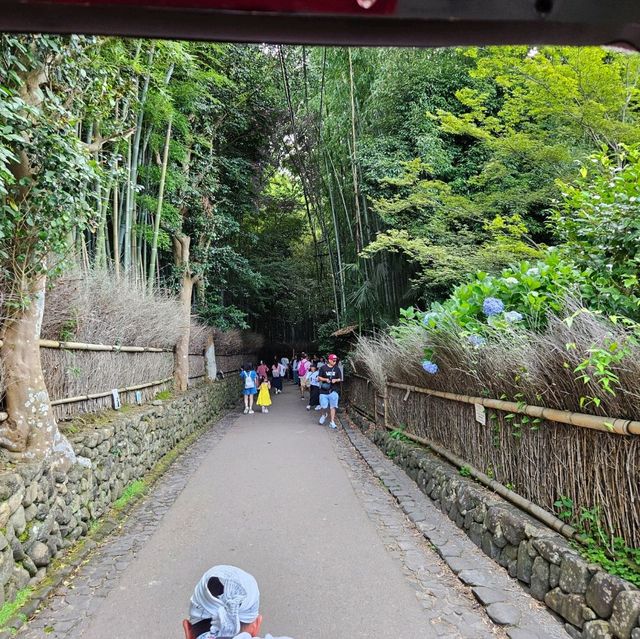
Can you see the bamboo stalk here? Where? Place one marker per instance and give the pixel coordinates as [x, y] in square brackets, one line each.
[524, 504]
[615, 425]
[84, 398]
[81, 346]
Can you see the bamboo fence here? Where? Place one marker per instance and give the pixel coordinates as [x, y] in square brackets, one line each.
[80, 377]
[538, 453]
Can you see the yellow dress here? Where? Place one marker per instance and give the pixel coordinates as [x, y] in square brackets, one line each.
[264, 399]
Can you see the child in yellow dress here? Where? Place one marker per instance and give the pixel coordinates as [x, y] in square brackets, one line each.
[264, 399]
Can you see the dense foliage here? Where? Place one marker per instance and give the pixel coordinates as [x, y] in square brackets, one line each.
[328, 187]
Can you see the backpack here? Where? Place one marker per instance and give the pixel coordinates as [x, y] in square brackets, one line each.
[248, 380]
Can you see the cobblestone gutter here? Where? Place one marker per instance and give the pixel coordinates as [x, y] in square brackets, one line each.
[43, 512]
[595, 604]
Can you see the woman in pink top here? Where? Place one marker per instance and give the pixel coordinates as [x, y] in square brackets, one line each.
[303, 367]
[263, 369]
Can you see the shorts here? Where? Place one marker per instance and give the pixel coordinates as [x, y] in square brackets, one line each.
[329, 400]
[249, 391]
[304, 383]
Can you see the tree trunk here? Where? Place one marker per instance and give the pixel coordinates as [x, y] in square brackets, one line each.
[31, 430]
[181, 246]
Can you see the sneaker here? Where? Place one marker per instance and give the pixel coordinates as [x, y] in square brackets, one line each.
[251, 412]
[333, 425]
[318, 407]
[322, 420]
[246, 410]
[308, 407]
[266, 410]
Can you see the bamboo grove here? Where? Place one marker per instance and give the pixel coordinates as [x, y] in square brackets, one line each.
[292, 190]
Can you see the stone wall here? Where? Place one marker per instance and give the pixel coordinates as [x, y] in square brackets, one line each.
[42, 512]
[595, 604]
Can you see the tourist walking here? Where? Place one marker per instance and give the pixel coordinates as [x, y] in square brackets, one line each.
[303, 367]
[285, 362]
[263, 369]
[294, 370]
[264, 398]
[275, 376]
[330, 382]
[314, 387]
[249, 378]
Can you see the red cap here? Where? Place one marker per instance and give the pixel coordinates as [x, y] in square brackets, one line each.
[332, 356]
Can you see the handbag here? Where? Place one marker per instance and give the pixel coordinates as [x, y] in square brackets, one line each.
[325, 386]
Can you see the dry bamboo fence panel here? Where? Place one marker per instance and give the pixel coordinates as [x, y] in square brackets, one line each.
[73, 373]
[232, 363]
[539, 461]
[362, 394]
[197, 369]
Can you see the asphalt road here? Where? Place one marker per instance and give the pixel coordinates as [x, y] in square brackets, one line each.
[273, 498]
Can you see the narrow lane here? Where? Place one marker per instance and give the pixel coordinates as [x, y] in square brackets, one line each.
[291, 502]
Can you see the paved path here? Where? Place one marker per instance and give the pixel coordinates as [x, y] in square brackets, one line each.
[293, 503]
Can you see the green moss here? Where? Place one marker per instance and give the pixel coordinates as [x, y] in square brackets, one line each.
[10, 608]
[132, 491]
[165, 394]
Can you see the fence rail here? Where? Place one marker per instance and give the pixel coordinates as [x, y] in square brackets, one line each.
[82, 346]
[539, 458]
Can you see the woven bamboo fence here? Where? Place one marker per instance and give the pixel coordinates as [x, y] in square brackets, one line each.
[87, 376]
[232, 363]
[540, 460]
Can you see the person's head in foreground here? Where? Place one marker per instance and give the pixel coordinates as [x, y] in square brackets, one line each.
[332, 359]
[230, 599]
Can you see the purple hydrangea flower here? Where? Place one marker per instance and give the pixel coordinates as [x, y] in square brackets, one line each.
[477, 340]
[429, 367]
[513, 316]
[492, 306]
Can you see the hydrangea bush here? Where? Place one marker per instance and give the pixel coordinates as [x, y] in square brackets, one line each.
[519, 297]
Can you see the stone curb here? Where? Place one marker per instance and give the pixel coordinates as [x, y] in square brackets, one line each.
[504, 601]
[75, 557]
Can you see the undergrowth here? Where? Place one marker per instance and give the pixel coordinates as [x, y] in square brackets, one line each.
[10, 608]
[132, 491]
[612, 554]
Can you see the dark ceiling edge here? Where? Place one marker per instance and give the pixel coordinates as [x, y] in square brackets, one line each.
[296, 29]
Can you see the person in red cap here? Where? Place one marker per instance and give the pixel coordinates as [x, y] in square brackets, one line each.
[330, 379]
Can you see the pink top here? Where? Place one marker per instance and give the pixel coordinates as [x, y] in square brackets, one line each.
[263, 370]
[303, 367]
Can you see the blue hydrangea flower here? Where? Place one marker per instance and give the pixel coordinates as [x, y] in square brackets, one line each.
[429, 367]
[477, 340]
[426, 320]
[513, 316]
[492, 306]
